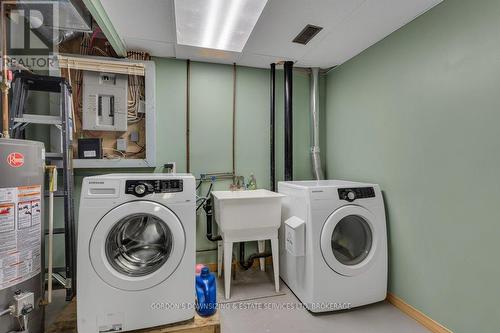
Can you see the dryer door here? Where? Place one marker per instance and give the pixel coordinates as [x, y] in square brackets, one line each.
[137, 245]
[349, 240]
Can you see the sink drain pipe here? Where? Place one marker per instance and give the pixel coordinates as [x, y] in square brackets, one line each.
[249, 262]
[209, 212]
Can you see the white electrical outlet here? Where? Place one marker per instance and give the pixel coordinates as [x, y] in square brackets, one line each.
[170, 167]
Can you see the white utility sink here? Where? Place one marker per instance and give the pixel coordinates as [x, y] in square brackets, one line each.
[247, 210]
[243, 216]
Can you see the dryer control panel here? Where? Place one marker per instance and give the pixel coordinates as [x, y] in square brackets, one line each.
[140, 188]
[351, 194]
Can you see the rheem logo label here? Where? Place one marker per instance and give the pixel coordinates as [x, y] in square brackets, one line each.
[15, 159]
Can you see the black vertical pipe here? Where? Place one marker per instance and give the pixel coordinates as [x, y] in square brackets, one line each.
[288, 121]
[272, 121]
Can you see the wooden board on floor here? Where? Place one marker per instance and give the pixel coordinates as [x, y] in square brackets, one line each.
[66, 323]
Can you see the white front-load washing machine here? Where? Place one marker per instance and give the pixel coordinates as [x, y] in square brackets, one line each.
[136, 251]
[333, 243]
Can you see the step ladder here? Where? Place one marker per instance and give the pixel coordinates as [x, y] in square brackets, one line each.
[23, 82]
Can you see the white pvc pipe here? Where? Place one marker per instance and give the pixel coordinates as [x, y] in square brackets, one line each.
[52, 189]
[51, 240]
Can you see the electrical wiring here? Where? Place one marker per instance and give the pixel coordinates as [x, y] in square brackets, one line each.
[136, 89]
[103, 53]
[122, 154]
[134, 153]
[94, 35]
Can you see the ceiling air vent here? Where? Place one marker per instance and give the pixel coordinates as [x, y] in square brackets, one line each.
[307, 34]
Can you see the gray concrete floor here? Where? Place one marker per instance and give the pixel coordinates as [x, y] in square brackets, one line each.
[242, 318]
[53, 309]
[376, 318]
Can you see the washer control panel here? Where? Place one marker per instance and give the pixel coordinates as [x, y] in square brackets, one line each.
[140, 188]
[351, 194]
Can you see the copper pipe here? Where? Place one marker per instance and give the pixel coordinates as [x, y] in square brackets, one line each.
[5, 85]
[5, 107]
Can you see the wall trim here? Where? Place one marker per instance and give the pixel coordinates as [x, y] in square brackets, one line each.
[419, 316]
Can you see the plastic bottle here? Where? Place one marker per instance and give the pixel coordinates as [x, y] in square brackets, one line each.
[252, 183]
[198, 268]
[206, 292]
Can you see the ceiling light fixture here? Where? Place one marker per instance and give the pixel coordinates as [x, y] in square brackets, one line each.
[216, 24]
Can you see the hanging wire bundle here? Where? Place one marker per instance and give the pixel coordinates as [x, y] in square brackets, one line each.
[136, 89]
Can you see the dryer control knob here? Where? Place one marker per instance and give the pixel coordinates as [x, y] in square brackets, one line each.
[351, 196]
[140, 189]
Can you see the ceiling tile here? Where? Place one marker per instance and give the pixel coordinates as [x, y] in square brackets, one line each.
[146, 20]
[282, 20]
[349, 27]
[370, 23]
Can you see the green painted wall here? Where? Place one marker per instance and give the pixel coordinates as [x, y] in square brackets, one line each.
[211, 130]
[211, 125]
[419, 114]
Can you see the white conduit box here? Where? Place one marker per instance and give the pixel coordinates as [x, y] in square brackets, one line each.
[295, 236]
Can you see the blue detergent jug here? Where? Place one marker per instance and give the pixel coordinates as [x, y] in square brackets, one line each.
[206, 292]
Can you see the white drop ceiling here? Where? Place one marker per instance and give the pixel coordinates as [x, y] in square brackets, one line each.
[349, 27]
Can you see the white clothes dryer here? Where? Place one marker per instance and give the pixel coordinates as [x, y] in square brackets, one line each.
[333, 243]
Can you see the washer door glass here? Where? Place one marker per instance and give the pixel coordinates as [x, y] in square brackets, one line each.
[351, 240]
[138, 244]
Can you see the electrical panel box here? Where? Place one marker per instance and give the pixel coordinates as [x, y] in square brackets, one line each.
[105, 101]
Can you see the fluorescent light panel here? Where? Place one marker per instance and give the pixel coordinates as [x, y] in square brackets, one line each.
[216, 24]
